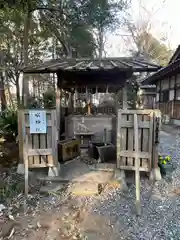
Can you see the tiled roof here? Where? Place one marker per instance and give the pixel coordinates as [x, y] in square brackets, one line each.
[176, 55]
[161, 73]
[84, 64]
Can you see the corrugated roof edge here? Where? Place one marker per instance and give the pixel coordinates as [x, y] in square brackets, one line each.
[70, 63]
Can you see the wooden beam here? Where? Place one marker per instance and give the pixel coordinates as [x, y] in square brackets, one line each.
[58, 111]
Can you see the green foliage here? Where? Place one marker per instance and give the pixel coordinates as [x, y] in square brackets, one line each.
[11, 190]
[34, 103]
[164, 159]
[9, 122]
[152, 48]
[49, 99]
[54, 28]
[106, 14]
[132, 89]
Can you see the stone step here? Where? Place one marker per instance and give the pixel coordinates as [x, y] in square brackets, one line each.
[51, 188]
[93, 177]
[85, 189]
[109, 167]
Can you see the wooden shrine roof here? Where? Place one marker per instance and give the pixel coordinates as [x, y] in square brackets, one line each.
[85, 64]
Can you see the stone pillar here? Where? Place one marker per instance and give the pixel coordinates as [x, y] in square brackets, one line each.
[125, 99]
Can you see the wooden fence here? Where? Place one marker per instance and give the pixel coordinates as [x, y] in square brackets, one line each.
[171, 108]
[126, 138]
[95, 110]
[39, 149]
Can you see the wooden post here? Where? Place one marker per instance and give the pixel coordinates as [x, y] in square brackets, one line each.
[26, 166]
[88, 102]
[154, 144]
[58, 111]
[137, 173]
[72, 101]
[20, 134]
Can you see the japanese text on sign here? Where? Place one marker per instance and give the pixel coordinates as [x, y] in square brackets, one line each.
[37, 120]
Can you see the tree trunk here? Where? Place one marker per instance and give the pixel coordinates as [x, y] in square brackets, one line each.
[10, 96]
[18, 90]
[101, 42]
[25, 90]
[8, 87]
[2, 92]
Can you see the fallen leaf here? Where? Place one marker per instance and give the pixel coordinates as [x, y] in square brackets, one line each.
[30, 226]
[11, 233]
[11, 217]
[38, 225]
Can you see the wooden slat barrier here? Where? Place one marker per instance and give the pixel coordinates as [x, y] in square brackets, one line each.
[126, 153]
[39, 149]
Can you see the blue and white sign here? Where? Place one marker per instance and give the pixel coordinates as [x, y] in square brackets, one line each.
[37, 121]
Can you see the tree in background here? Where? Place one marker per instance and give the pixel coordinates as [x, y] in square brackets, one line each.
[12, 42]
[105, 16]
[141, 40]
[29, 28]
[148, 46]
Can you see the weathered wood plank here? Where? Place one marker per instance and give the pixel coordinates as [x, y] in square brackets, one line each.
[36, 145]
[54, 137]
[41, 165]
[142, 112]
[130, 124]
[123, 132]
[38, 152]
[132, 154]
[30, 146]
[26, 167]
[145, 142]
[41, 149]
[125, 152]
[150, 144]
[137, 166]
[118, 140]
[43, 158]
[140, 136]
[20, 135]
[129, 168]
[130, 135]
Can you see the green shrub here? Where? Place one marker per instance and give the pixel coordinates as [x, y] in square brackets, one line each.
[34, 103]
[49, 99]
[9, 122]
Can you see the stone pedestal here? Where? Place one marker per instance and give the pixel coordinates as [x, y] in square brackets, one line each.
[119, 176]
[20, 168]
[54, 171]
[155, 174]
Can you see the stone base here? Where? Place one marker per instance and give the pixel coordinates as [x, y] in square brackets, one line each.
[119, 176]
[155, 174]
[54, 171]
[20, 168]
[85, 189]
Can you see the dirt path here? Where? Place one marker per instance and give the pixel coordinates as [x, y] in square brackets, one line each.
[111, 216]
[61, 222]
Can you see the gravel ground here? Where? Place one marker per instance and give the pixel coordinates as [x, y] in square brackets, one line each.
[160, 218]
[112, 215]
